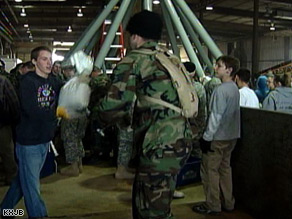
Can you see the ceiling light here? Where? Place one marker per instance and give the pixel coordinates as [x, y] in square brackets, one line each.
[30, 36]
[69, 29]
[58, 43]
[25, 25]
[209, 8]
[18, 0]
[272, 27]
[31, 40]
[79, 14]
[22, 14]
[156, 2]
[28, 31]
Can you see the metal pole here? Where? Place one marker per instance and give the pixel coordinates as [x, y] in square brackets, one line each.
[199, 28]
[187, 44]
[128, 14]
[92, 28]
[170, 30]
[255, 42]
[147, 5]
[111, 34]
[195, 39]
[93, 42]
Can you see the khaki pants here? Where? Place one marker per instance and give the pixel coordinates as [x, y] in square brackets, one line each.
[7, 153]
[217, 177]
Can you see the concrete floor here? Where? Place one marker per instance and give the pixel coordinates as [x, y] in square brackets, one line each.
[96, 194]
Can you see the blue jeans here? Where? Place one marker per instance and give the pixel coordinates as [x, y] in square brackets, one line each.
[26, 184]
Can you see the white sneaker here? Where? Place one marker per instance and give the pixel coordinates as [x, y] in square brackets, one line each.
[178, 194]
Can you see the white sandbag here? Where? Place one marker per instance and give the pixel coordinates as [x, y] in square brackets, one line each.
[74, 97]
[81, 61]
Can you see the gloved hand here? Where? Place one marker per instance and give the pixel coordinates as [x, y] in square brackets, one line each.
[62, 112]
[100, 80]
[205, 146]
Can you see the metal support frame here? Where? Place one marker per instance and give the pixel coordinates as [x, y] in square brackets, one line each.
[91, 29]
[199, 28]
[255, 42]
[195, 40]
[147, 5]
[191, 25]
[128, 14]
[93, 42]
[111, 34]
[187, 44]
[170, 30]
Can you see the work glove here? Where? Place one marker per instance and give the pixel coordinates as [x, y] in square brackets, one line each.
[100, 81]
[205, 146]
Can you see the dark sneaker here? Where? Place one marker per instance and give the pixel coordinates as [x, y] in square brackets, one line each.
[227, 210]
[202, 209]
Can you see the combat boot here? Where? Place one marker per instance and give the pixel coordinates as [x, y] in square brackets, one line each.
[71, 170]
[80, 165]
[122, 173]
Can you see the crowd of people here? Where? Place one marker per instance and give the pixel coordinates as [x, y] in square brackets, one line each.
[153, 139]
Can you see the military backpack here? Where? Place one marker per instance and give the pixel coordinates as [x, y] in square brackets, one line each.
[180, 79]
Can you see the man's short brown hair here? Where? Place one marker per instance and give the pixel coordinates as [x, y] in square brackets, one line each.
[230, 62]
[36, 51]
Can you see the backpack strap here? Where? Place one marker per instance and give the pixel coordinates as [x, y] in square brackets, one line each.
[144, 98]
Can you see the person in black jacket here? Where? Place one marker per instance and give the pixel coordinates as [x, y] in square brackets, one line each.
[10, 113]
[38, 93]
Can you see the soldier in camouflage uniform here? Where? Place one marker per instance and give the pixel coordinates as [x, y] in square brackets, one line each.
[198, 124]
[125, 145]
[72, 133]
[102, 140]
[163, 136]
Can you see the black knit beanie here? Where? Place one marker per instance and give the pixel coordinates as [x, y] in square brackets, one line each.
[146, 24]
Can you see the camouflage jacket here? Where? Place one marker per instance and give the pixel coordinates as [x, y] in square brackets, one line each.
[140, 74]
[198, 124]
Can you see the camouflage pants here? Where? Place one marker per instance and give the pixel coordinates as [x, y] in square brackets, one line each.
[72, 132]
[155, 180]
[125, 139]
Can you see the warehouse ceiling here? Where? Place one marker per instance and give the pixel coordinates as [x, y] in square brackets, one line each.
[49, 20]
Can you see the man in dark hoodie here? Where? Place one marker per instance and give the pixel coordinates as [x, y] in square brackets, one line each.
[280, 99]
[38, 94]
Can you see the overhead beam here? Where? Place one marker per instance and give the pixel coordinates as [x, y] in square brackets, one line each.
[203, 3]
[71, 4]
[288, 2]
[58, 15]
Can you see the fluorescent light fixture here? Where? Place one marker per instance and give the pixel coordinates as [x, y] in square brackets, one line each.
[22, 14]
[26, 25]
[30, 36]
[28, 31]
[31, 40]
[156, 2]
[272, 27]
[63, 49]
[79, 14]
[56, 57]
[209, 8]
[107, 22]
[18, 0]
[59, 43]
[69, 29]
